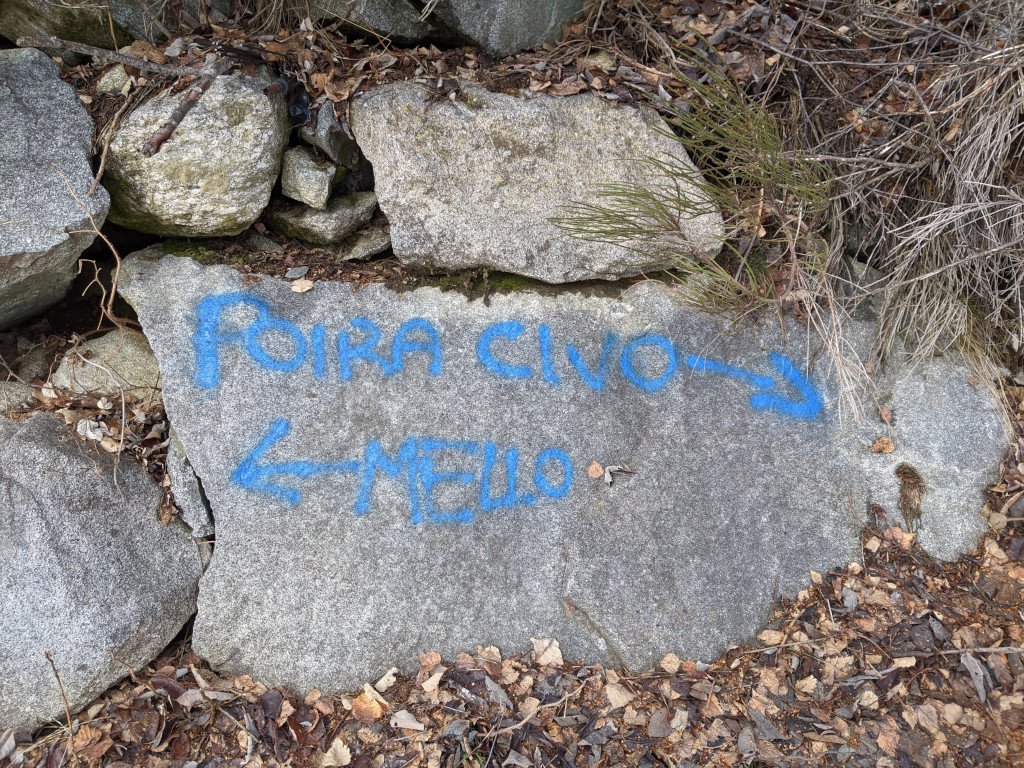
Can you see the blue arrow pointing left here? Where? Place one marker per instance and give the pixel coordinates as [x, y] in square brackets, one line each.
[254, 476]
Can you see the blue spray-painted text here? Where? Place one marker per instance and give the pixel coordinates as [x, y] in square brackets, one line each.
[507, 350]
[491, 484]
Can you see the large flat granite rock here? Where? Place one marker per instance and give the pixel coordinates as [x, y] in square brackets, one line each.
[396, 473]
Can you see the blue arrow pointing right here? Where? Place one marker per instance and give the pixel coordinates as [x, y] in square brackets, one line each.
[806, 408]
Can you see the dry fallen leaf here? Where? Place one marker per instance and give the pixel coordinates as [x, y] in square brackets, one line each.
[660, 725]
[517, 759]
[547, 651]
[405, 719]
[670, 663]
[338, 755]
[632, 717]
[193, 697]
[595, 470]
[387, 680]
[888, 741]
[807, 684]
[287, 710]
[617, 695]
[528, 707]
[428, 661]
[868, 699]
[771, 637]
[110, 444]
[883, 445]
[302, 285]
[431, 683]
[366, 708]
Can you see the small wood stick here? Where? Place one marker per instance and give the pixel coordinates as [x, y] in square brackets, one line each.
[103, 53]
[67, 709]
[188, 101]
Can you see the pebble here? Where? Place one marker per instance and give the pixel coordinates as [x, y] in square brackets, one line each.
[296, 272]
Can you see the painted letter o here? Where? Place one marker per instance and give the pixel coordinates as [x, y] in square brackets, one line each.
[553, 454]
[268, 323]
[629, 363]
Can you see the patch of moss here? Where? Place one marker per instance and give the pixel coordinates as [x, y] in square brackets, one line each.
[201, 253]
[504, 282]
[453, 281]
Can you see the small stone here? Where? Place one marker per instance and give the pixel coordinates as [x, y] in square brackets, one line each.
[342, 216]
[369, 241]
[326, 134]
[296, 272]
[119, 361]
[113, 80]
[214, 176]
[258, 242]
[307, 179]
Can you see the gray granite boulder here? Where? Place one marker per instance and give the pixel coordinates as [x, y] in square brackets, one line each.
[90, 21]
[86, 571]
[396, 473]
[340, 218]
[372, 239]
[119, 361]
[214, 176]
[474, 183]
[45, 145]
[398, 20]
[502, 27]
[13, 395]
[84, 21]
